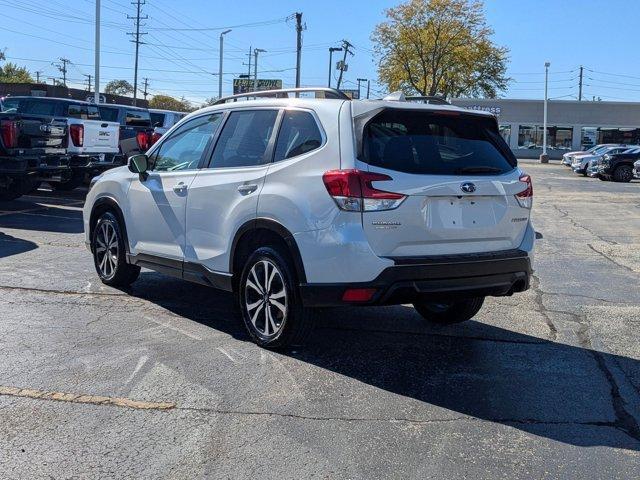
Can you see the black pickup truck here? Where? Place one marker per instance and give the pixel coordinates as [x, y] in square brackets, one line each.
[136, 130]
[618, 167]
[32, 148]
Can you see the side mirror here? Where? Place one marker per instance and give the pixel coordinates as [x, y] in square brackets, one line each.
[138, 163]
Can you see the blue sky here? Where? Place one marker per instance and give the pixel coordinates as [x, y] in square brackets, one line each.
[601, 35]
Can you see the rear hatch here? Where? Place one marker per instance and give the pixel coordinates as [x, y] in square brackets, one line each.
[459, 179]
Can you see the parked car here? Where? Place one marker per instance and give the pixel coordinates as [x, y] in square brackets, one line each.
[619, 167]
[89, 138]
[136, 130]
[163, 120]
[32, 148]
[636, 169]
[298, 203]
[567, 158]
[580, 162]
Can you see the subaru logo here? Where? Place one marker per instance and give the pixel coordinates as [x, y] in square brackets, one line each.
[468, 187]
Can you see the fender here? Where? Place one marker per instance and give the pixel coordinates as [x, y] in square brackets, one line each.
[280, 230]
[112, 203]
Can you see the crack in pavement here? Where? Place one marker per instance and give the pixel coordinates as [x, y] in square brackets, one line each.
[611, 259]
[565, 214]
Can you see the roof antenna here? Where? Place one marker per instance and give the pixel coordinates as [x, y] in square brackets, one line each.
[397, 96]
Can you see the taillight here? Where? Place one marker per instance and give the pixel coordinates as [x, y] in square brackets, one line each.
[9, 132]
[77, 134]
[525, 197]
[143, 139]
[155, 137]
[352, 190]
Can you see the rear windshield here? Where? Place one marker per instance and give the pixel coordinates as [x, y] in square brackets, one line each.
[435, 143]
[32, 106]
[157, 119]
[109, 114]
[84, 112]
[137, 118]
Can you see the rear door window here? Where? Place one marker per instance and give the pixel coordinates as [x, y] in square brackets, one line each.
[157, 119]
[244, 139]
[299, 134]
[423, 142]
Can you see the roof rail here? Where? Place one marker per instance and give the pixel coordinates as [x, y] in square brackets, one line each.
[328, 93]
[428, 99]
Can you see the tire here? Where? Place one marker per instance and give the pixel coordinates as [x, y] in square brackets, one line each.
[111, 264]
[624, 173]
[17, 188]
[449, 312]
[274, 316]
[604, 179]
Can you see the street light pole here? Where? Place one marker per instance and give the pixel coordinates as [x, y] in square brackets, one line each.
[220, 67]
[360, 80]
[544, 158]
[96, 97]
[331, 50]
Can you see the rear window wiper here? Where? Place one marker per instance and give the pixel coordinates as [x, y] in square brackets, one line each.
[479, 169]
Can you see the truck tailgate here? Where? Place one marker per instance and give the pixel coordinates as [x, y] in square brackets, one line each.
[99, 137]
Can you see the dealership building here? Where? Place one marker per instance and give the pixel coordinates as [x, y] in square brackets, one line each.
[571, 125]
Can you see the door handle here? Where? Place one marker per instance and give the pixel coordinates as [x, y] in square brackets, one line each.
[247, 189]
[180, 187]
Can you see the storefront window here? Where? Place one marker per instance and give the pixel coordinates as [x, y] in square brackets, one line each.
[595, 135]
[531, 136]
[505, 131]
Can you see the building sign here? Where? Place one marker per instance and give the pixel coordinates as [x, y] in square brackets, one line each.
[245, 85]
[353, 94]
[92, 99]
[491, 109]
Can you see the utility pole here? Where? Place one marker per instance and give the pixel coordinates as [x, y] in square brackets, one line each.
[249, 72]
[220, 66]
[544, 158]
[255, 68]
[298, 47]
[331, 50]
[88, 81]
[580, 85]
[360, 80]
[368, 88]
[346, 46]
[63, 68]
[38, 72]
[96, 97]
[146, 86]
[136, 35]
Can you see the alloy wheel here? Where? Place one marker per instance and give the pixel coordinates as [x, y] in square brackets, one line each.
[265, 298]
[107, 250]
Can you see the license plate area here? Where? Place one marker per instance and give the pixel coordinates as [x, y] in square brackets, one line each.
[461, 212]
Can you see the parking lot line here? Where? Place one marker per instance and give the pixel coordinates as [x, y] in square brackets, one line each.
[83, 398]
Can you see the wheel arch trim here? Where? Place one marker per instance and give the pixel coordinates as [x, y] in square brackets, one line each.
[112, 203]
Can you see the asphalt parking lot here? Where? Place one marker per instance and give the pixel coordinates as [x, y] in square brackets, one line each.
[162, 382]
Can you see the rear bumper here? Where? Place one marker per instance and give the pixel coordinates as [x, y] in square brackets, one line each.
[456, 276]
[25, 164]
[97, 162]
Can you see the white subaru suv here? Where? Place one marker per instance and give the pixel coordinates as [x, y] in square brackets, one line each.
[294, 203]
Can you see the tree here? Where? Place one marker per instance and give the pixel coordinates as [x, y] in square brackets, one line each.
[440, 47]
[118, 87]
[209, 102]
[12, 73]
[165, 102]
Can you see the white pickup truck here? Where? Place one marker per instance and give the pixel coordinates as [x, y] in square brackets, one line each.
[92, 143]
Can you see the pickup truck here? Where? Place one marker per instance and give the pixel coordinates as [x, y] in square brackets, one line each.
[92, 143]
[136, 130]
[163, 120]
[32, 148]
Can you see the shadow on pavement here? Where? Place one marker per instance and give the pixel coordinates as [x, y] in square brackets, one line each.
[44, 211]
[539, 386]
[13, 246]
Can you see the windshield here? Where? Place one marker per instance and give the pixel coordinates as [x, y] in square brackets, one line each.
[440, 143]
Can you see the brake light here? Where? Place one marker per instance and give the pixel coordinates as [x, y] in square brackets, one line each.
[143, 139]
[155, 137]
[352, 190]
[9, 133]
[525, 197]
[77, 134]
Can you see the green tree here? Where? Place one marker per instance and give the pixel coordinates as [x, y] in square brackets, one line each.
[440, 47]
[165, 102]
[12, 73]
[118, 87]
